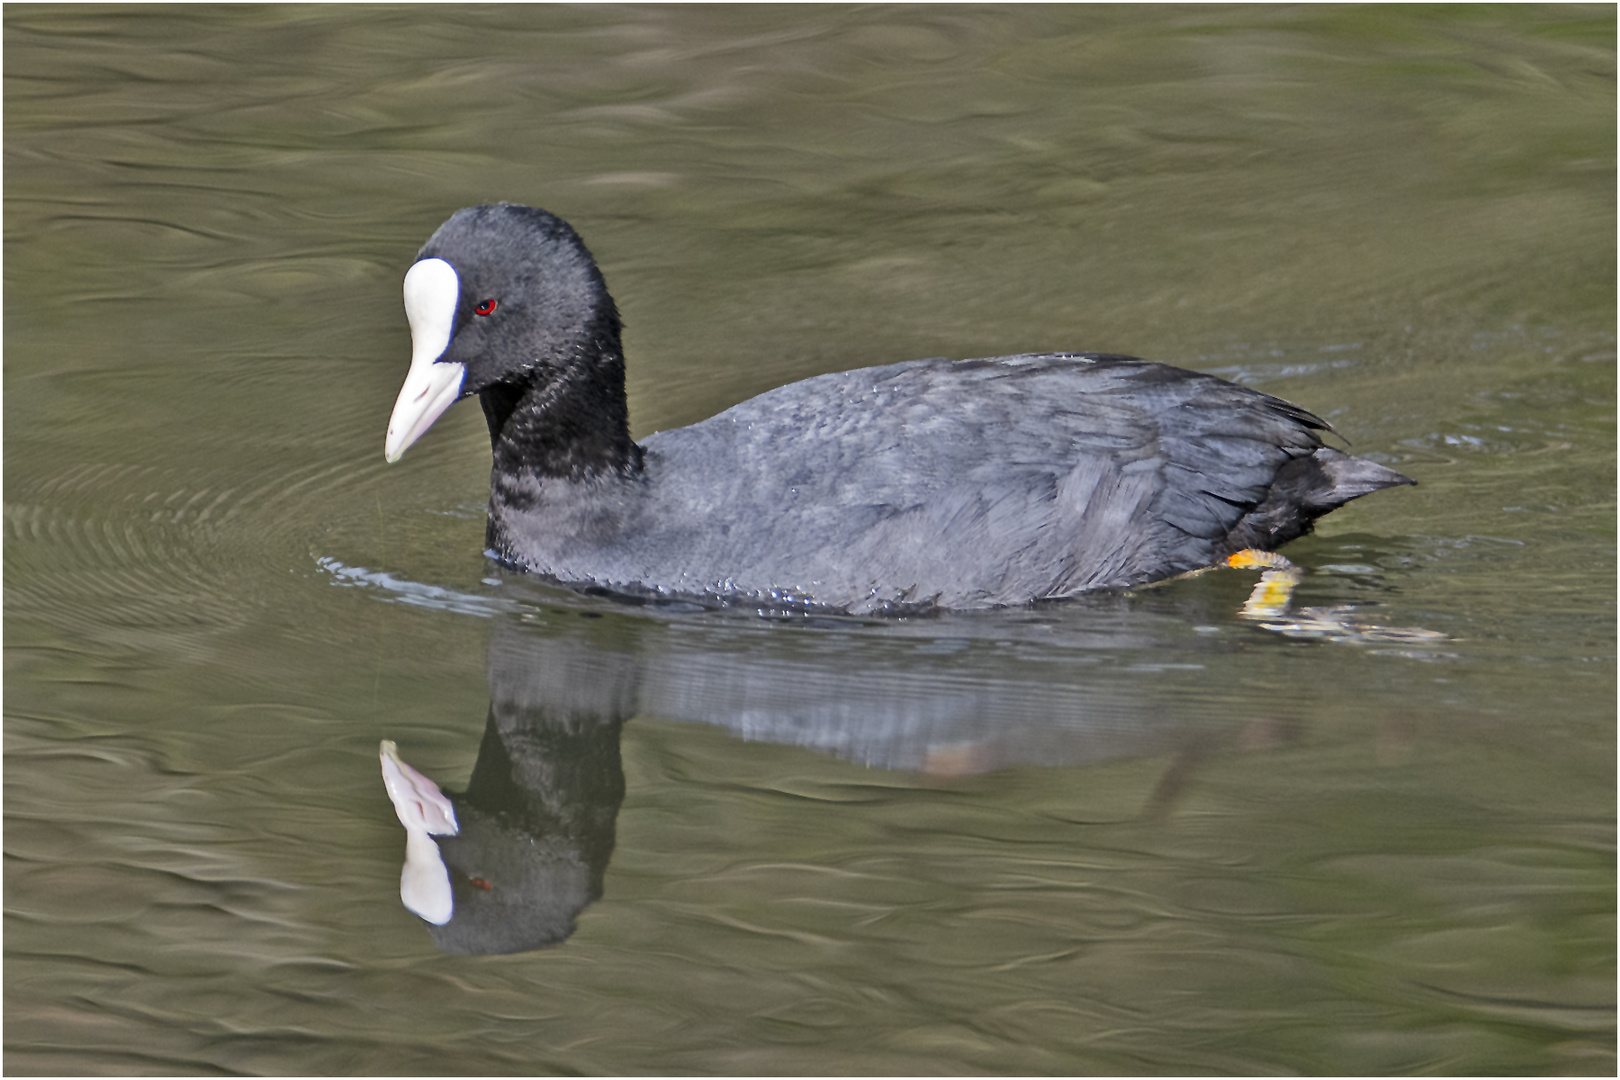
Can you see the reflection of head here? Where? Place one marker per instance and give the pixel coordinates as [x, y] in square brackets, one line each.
[537, 829]
[529, 840]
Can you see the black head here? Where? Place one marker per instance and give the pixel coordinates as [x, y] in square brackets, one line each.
[504, 301]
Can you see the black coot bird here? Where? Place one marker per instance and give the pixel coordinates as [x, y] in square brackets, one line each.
[966, 484]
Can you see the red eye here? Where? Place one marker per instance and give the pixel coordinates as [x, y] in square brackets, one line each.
[485, 307]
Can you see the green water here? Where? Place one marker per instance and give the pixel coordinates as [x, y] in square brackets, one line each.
[1137, 833]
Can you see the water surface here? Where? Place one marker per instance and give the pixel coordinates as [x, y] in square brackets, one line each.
[1134, 833]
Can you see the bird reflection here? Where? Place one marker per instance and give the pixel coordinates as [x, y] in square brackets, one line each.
[508, 864]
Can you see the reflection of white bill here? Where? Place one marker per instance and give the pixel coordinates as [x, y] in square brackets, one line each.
[424, 883]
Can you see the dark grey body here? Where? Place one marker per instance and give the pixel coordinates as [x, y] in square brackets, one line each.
[962, 485]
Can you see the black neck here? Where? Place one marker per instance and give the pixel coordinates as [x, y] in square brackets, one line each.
[571, 423]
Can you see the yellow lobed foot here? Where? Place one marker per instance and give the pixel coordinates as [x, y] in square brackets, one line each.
[1275, 588]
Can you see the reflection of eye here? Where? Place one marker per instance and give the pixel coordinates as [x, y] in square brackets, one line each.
[484, 307]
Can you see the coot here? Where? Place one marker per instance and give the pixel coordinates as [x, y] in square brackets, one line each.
[966, 484]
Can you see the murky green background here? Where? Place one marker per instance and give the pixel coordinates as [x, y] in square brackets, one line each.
[1130, 834]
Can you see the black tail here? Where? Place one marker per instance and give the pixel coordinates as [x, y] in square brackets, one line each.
[1342, 478]
[1305, 489]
